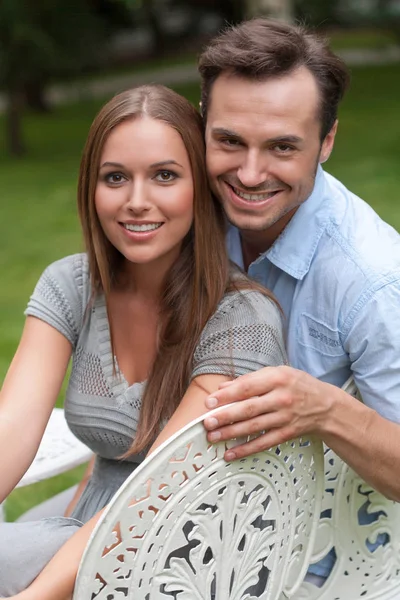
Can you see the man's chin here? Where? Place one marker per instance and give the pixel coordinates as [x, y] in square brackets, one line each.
[248, 224]
[245, 221]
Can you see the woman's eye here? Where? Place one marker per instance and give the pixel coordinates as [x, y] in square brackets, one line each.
[115, 178]
[165, 176]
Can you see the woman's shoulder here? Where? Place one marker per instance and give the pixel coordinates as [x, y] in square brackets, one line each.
[74, 266]
[70, 272]
[246, 312]
[244, 334]
[61, 295]
[247, 305]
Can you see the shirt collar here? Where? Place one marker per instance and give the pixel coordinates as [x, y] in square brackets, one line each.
[294, 249]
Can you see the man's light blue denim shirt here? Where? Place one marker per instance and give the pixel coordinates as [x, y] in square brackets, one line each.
[335, 270]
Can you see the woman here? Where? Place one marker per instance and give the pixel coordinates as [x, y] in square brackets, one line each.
[152, 315]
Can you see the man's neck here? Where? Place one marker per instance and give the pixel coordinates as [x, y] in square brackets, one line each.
[252, 248]
[255, 243]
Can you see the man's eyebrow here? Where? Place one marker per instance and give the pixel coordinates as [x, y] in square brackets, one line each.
[225, 132]
[291, 139]
[282, 139]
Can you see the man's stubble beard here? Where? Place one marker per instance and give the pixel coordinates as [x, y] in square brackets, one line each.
[274, 220]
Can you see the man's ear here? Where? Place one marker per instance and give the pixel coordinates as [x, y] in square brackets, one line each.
[327, 144]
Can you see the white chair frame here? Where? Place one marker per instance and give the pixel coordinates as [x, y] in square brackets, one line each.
[58, 452]
[188, 525]
[359, 573]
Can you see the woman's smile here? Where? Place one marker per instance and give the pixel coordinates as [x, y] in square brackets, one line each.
[144, 193]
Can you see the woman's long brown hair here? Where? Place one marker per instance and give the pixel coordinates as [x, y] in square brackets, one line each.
[198, 279]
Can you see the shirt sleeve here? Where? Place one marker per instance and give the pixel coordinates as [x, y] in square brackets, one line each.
[373, 345]
[57, 298]
[244, 334]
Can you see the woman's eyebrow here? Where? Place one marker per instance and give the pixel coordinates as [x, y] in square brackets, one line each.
[163, 163]
[112, 164]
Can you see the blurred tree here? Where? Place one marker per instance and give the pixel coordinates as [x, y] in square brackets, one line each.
[154, 15]
[388, 13]
[43, 40]
[231, 12]
[13, 39]
[381, 14]
[276, 9]
[160, 37]
[317, 13]
[150, 12]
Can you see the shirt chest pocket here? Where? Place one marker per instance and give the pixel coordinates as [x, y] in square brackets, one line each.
[317, 336]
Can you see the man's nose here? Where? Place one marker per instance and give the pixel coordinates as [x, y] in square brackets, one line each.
[253, 171]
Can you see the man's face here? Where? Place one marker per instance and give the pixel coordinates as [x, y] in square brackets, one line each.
[264, 146]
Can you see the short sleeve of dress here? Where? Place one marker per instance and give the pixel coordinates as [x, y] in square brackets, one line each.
[58, 298]
[244, 334]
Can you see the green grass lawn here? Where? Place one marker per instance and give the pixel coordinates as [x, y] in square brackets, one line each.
[39, 222]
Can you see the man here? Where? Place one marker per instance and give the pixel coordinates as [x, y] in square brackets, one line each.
[270, 94]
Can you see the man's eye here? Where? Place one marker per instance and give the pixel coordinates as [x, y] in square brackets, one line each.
[165, 176]
[283, 148]
[229, 141]
[114, 178]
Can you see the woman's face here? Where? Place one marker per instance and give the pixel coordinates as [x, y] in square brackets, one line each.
[144, 193]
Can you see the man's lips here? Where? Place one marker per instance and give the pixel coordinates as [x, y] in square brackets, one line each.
[254, 198]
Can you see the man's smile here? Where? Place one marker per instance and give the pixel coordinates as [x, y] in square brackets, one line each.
[254, 197]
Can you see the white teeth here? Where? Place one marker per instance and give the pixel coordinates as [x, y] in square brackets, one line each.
[144, 227]
[254, 197]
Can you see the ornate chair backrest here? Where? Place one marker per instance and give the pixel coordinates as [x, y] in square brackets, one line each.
[187, 525]
[363, 527]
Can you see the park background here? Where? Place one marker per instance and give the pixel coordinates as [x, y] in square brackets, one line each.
[59, 62]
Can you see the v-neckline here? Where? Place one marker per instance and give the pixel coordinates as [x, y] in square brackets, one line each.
[117, 382]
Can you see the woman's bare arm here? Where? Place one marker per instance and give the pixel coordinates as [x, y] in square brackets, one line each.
[57, 580]
[27, 398]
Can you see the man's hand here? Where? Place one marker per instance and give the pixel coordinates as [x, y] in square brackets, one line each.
[282, 402]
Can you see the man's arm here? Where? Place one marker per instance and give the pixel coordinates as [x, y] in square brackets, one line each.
[287, 403]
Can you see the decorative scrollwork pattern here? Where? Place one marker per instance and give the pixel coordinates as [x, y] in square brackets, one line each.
[189, 526]
[363, 528]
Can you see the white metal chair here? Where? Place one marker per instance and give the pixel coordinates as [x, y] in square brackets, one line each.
[359, 573]
[58, 452]
[187, 525]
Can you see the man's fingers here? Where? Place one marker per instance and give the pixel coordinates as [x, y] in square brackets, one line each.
[242, 429]
[224, 384]
[247, 386]
[246, 410]
[263, 442]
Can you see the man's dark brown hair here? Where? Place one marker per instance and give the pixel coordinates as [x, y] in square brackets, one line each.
[262, 48]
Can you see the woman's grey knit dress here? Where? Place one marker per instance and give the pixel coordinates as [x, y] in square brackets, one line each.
[102, 410]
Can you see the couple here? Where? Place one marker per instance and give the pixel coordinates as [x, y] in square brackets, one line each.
[155, 260]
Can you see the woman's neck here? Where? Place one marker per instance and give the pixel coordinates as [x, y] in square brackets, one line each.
[142, 280]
